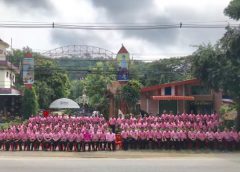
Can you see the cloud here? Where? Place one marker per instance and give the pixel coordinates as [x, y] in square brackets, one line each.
[135, 11]
[124, 10]
[69, 37]
[162, 12]
[31, 5]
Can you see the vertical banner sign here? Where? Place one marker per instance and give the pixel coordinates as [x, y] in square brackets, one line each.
[123, 64]
[28, 69]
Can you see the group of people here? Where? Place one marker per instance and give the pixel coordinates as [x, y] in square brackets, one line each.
[168, 131]
[79, 133]
[63, 133]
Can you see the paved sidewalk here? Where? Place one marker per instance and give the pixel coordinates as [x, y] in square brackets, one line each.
[121, 154]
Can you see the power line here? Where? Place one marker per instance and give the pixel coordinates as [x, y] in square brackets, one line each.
[115, 26]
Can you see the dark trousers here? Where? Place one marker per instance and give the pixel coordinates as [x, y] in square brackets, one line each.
[27, 145]
[95, 145]
[113, 127]
[125, 144]
[7, 145]
[55, 144]
[70, 146]
[111, 146]
[102, 145]
[79, 146]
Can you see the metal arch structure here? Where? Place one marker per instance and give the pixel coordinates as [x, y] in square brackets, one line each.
[80, 51]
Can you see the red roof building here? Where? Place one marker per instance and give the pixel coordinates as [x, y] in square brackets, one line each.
[180, 96]
[123, 50]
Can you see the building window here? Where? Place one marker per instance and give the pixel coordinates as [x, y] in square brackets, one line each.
[168, 91]
[7, 75]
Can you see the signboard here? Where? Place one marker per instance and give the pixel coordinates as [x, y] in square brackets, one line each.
[123, 64]
[28, 69]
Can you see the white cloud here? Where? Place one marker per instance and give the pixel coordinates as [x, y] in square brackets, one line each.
[148, 44]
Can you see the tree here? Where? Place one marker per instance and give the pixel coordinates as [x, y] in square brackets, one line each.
[130, 94]
[161, 71]
[51, 81]
[29, 103]
[77, 87]
[233, 9]
[96, 86]
[219, 66]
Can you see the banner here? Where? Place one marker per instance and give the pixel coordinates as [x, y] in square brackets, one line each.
[28, 69]
[123, 64]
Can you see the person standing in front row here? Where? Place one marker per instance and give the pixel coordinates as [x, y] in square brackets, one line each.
[124, 135]
[110, 138]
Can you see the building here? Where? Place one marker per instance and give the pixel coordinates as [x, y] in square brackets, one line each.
[178, 97]
[9, 95]
[123, 61]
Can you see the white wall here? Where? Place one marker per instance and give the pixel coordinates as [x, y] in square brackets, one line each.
[2, 52]
[6, 82]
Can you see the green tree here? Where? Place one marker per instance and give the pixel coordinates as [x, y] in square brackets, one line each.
[130, 94]
[77, 87]
[96, 86]
[29, 103]
[51, 82]
[219, 66]
[161, 71]
[233, 9]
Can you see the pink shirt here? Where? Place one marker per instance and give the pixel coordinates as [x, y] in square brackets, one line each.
[110, 137]
[124, 134]
[87, 137]
[79, 137]
[95, 136]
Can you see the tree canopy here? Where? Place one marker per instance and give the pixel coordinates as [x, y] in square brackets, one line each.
[233, 9]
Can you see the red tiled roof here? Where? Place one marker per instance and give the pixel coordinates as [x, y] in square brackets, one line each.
[156, 87]
[172, 97]
[123, 50]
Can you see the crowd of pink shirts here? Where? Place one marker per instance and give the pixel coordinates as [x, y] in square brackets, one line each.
[175, 127]
[96, 129]
[59, 128]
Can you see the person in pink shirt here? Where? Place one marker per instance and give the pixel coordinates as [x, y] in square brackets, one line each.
[133, 138]
[1, 139]
[110, 138]
[219, 139]
[39, 139]
[71, 139]
[157, 136]
[56, 139]
[24, 136]
[63, 140]
[234, 135]
[79, 140]
[192, 139]
[32, 140]
[87, 136]
[95, 140]
[125, 136]
[210, 139]
[47, 137]
[201, 137]
[112, 123]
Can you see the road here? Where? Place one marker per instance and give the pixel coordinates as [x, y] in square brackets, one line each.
[219, 163]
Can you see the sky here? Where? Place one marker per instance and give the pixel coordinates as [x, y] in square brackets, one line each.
[144, 44]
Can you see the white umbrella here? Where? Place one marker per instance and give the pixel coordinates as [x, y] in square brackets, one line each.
[64, 103]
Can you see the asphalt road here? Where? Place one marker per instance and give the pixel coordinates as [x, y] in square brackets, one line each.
[165, 164]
